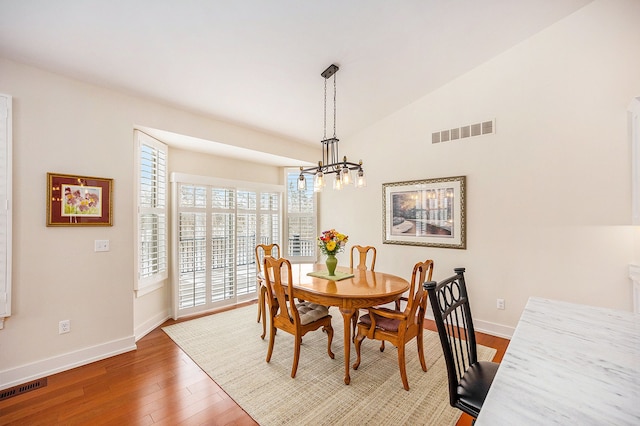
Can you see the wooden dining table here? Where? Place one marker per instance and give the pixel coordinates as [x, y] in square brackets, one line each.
[365, 289]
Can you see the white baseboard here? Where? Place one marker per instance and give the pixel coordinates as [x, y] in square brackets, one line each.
[150, 325]
[494, 329]
[53, 365]
[487, 327]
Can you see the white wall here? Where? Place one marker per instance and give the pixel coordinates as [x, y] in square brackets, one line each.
[194, 163]
[65, 126]
[548, 204]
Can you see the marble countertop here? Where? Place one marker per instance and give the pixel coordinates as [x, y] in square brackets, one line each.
[568, 364]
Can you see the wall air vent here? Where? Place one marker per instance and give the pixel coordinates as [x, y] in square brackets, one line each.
[462, 132]
[23, 388]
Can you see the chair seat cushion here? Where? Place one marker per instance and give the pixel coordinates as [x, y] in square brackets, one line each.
[474, 385]
[383, 323]
[310, 312]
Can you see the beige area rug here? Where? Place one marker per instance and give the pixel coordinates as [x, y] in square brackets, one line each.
[227, 346]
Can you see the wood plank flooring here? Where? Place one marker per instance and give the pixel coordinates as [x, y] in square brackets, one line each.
[157, 384]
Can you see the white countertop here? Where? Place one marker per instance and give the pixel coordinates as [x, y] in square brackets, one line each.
[568, 364]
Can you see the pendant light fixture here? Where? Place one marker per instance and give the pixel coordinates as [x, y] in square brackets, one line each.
[331, 163]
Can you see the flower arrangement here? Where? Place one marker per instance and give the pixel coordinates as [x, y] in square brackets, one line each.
[332, 242]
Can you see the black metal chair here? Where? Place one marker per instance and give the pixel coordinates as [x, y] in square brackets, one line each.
[469, 379]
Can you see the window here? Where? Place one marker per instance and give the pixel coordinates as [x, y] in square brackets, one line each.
[5, 207]
[301, 219]
[217, 226]
[152, 213]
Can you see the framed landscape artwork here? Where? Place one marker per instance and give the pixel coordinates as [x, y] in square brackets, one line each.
[428, 212]
[79, 200]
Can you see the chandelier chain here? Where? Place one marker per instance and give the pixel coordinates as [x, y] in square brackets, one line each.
[325, 110]
[334, 105]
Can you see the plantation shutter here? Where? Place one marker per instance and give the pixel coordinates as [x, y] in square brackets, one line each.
[192, 246]
[218, 226]
[269, 216]
[152, 213]
[223, 253]
[247, 229]
[301, 220]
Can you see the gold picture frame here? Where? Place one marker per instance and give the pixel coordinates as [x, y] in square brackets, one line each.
[79, 200]
[429, 212]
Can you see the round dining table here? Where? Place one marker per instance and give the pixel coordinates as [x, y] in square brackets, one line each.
[362, 290]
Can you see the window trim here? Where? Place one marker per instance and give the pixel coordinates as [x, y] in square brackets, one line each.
[6, 145]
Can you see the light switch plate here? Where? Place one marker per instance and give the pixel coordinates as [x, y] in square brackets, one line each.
[101, 245]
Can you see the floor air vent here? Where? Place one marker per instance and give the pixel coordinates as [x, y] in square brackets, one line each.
[475, 129]
[20, 389]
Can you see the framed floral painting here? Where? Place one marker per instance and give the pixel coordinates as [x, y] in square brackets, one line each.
[79, 200]
[428, 212]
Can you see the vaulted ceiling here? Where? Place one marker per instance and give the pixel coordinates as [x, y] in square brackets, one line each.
[257, 63]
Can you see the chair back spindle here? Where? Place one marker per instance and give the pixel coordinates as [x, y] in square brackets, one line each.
[275, 289]
[363, 253]
[417, 297]
[263, 250]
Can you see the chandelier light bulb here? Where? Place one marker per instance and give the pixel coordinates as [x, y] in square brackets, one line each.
[346, 176]
[318, 181]
[361, 182]
[302, 183]
[337, 183]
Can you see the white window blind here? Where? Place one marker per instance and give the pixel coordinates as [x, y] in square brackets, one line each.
[5, 206]
[217, 229]
[192, 246]
[223, 244]
[301, 219]
[152, 213]
[246, 231]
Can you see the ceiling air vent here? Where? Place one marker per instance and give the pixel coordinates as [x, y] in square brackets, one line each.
[487, 127]
[462, 132]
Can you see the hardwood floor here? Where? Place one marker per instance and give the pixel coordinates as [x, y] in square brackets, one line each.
[157, 384]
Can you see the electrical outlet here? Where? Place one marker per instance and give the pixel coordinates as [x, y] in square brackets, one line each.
[500, 304]
[64, 326]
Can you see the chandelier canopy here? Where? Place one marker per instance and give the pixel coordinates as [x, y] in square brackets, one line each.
[331, 163]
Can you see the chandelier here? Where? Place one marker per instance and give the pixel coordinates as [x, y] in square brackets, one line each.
[331, 163]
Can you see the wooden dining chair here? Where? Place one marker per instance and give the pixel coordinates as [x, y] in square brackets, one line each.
[469, 379]
[262, 251]
[287, 315]
[399, 326]
[362, 253]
